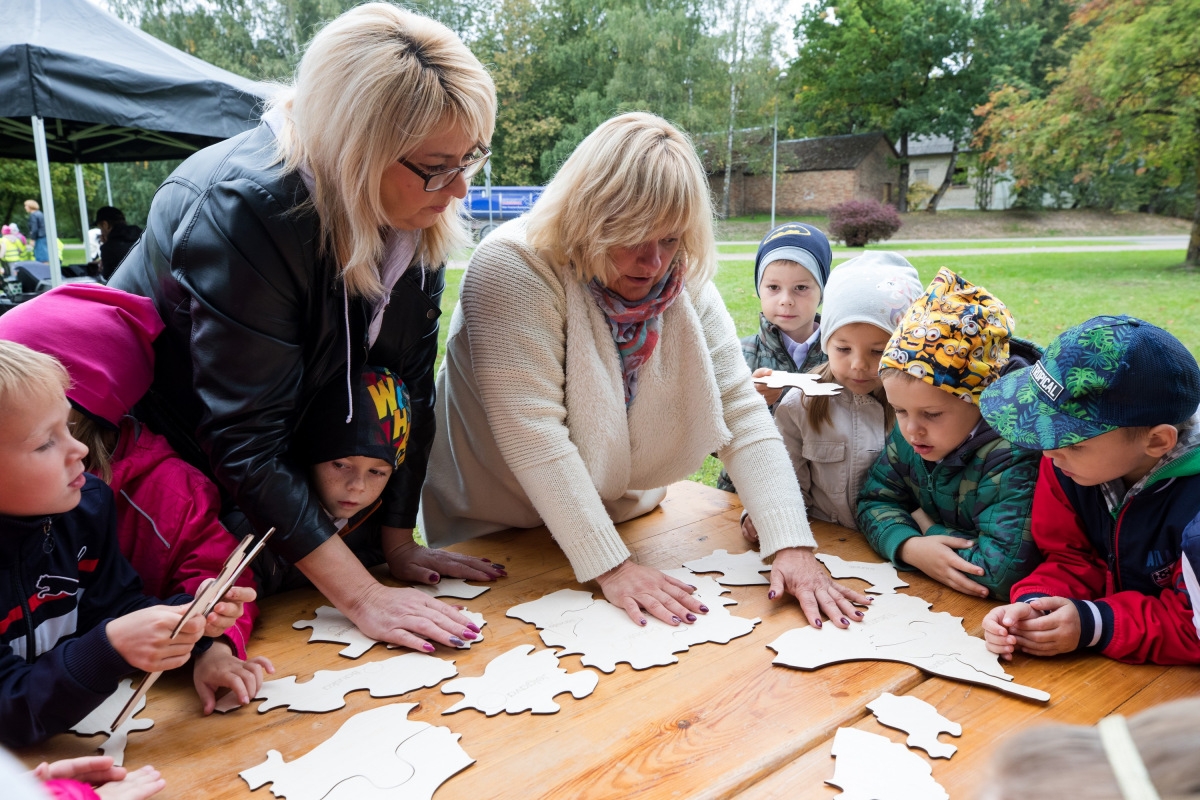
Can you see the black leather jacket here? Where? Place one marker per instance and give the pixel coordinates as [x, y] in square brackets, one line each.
[256, 322]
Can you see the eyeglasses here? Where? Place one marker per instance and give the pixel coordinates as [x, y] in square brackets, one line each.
[435, 181]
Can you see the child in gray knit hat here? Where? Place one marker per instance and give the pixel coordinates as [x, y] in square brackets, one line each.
[832, 441]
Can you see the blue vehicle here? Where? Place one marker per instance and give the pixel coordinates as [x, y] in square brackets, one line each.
[489, 206]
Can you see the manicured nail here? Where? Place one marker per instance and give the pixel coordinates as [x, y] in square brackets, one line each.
[498, 566]
[434, 577]
[675, 620]
[642, 622]
[469, 635]
[704, 609]
[473, 627]
[771, 595]
[858, 613]
[461, 608]
[457, 642]
[693, 588]
[486, 560]
[817, 623]
[845, 621]
[691, 617]
[427, 647]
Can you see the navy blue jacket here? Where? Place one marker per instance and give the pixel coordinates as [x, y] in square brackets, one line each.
[62, 578]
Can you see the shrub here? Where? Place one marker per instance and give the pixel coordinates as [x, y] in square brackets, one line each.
[857, 222]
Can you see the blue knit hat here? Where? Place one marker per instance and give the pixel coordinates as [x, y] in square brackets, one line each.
[795, 241]
[1108, 373]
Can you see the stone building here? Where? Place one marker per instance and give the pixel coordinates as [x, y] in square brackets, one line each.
[816, 174]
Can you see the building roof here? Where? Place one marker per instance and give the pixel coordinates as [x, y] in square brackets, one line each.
[934, 146]
[829, 152]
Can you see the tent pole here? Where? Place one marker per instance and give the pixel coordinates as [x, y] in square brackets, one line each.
[107, 184]
[43, 165]
[83, 212]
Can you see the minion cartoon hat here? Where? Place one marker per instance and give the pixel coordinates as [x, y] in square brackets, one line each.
[379, 429]
[954, 337]
[795, 241]
[876, 288]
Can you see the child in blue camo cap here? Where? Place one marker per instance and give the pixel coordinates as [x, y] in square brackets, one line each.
[1113, 405]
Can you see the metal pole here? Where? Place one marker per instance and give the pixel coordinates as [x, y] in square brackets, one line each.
[107, 184]
[83, 213]
[43, 166]
[774, 160]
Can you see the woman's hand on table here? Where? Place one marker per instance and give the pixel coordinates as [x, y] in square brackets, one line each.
[409, 618]
[642, 590]
[409, 561]
[797, 572]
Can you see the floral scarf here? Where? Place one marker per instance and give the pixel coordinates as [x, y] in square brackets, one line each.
[636, 323]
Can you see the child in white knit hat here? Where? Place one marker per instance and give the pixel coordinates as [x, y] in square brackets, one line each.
[833, 440]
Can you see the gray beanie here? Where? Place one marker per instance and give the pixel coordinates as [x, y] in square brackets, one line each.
[876, 287]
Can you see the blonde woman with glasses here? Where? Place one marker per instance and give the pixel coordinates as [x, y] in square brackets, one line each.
[286, 258]
[591, 362]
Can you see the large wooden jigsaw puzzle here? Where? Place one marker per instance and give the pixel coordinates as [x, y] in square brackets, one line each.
[882, 576]
[899, 627]
[327, 689]
[520, 680]
[331, 625]
[102, 716]
[919, 720]
[603, 635]
[873, 767]
[737, 569]
[380, 749]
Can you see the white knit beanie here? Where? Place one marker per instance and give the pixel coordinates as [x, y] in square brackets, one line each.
[876, 287]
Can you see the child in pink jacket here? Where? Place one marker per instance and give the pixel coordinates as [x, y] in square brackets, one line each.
[166, 509]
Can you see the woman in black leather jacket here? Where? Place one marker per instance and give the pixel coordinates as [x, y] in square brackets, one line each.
[285, 258]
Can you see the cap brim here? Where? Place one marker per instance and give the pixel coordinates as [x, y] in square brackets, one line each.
[1015, 409]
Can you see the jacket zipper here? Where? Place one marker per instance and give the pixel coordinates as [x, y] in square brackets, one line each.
[1114, 563]
[30, 639]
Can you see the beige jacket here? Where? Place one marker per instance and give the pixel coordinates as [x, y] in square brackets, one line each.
[532, 424]
[831, 464]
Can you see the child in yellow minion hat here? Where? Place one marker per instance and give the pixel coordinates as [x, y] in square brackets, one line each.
[947, 495]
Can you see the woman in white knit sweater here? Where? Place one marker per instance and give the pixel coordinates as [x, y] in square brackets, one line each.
[591, 362]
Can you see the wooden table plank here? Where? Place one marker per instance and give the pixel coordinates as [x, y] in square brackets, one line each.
[721, 719]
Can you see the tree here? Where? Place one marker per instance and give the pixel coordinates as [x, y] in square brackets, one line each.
[906, 67]
[1122, 120]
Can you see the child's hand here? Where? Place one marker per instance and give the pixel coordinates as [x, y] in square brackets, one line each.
[1000, 626]
[1045, 626]
[89, 769]
[143, 637]
[770, 395]
[749, 532]
[219, 667]
[228, 610]
[935, 556]
[137, 785]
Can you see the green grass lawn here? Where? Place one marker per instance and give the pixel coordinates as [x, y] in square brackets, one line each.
[1046, 293]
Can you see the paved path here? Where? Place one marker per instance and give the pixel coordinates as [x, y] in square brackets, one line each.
[912, 248]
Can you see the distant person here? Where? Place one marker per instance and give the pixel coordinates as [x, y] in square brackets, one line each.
[37, 231]
[1116, 511]
[117, 237]
[948, 496]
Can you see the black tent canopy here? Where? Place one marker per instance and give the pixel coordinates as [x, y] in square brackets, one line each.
[78, 85]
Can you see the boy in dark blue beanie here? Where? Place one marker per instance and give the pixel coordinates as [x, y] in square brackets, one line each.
[1115, 513]
[790, 271]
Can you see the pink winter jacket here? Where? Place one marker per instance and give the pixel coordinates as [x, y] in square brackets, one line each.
[167, 522]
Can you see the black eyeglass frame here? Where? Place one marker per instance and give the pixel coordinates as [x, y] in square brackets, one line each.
[469, 170]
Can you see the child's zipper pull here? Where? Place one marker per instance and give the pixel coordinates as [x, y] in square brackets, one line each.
[47, 543]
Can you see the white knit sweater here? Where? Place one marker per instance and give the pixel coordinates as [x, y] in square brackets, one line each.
[533, 428]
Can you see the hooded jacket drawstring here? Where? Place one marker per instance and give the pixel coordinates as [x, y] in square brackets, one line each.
[349, 386]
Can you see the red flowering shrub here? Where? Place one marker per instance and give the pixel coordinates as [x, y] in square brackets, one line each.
[857, 222]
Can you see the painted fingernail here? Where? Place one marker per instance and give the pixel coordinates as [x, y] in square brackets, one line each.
[845, 621]
[858, 613]
[641, 622]
[461, 608]
[427, 647]
[457, 642]
[771, 595]
[816, 623]
[434, 577]
[473, 627]
[691, 617]
[498, 566]
[486, 560]
[675, 620]
[704, 609]
[469, 635]
[693, 588]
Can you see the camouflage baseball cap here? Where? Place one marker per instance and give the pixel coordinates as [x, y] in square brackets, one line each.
[1107, 373]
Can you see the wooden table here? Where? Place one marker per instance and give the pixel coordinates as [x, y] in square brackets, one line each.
[723, 722]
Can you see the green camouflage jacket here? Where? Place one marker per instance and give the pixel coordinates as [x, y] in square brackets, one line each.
[766, 349]
[983, 492]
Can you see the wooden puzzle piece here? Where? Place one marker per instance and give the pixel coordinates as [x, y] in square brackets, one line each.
[919, 720]
[380, 749]
[451, 587]
[332, 625]
[603, 635]
[882, 576]
[520, 681]
[806, 382]
[102, 716]
[899, 627]
[737, 569]
[326, 690]
[873, 767]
